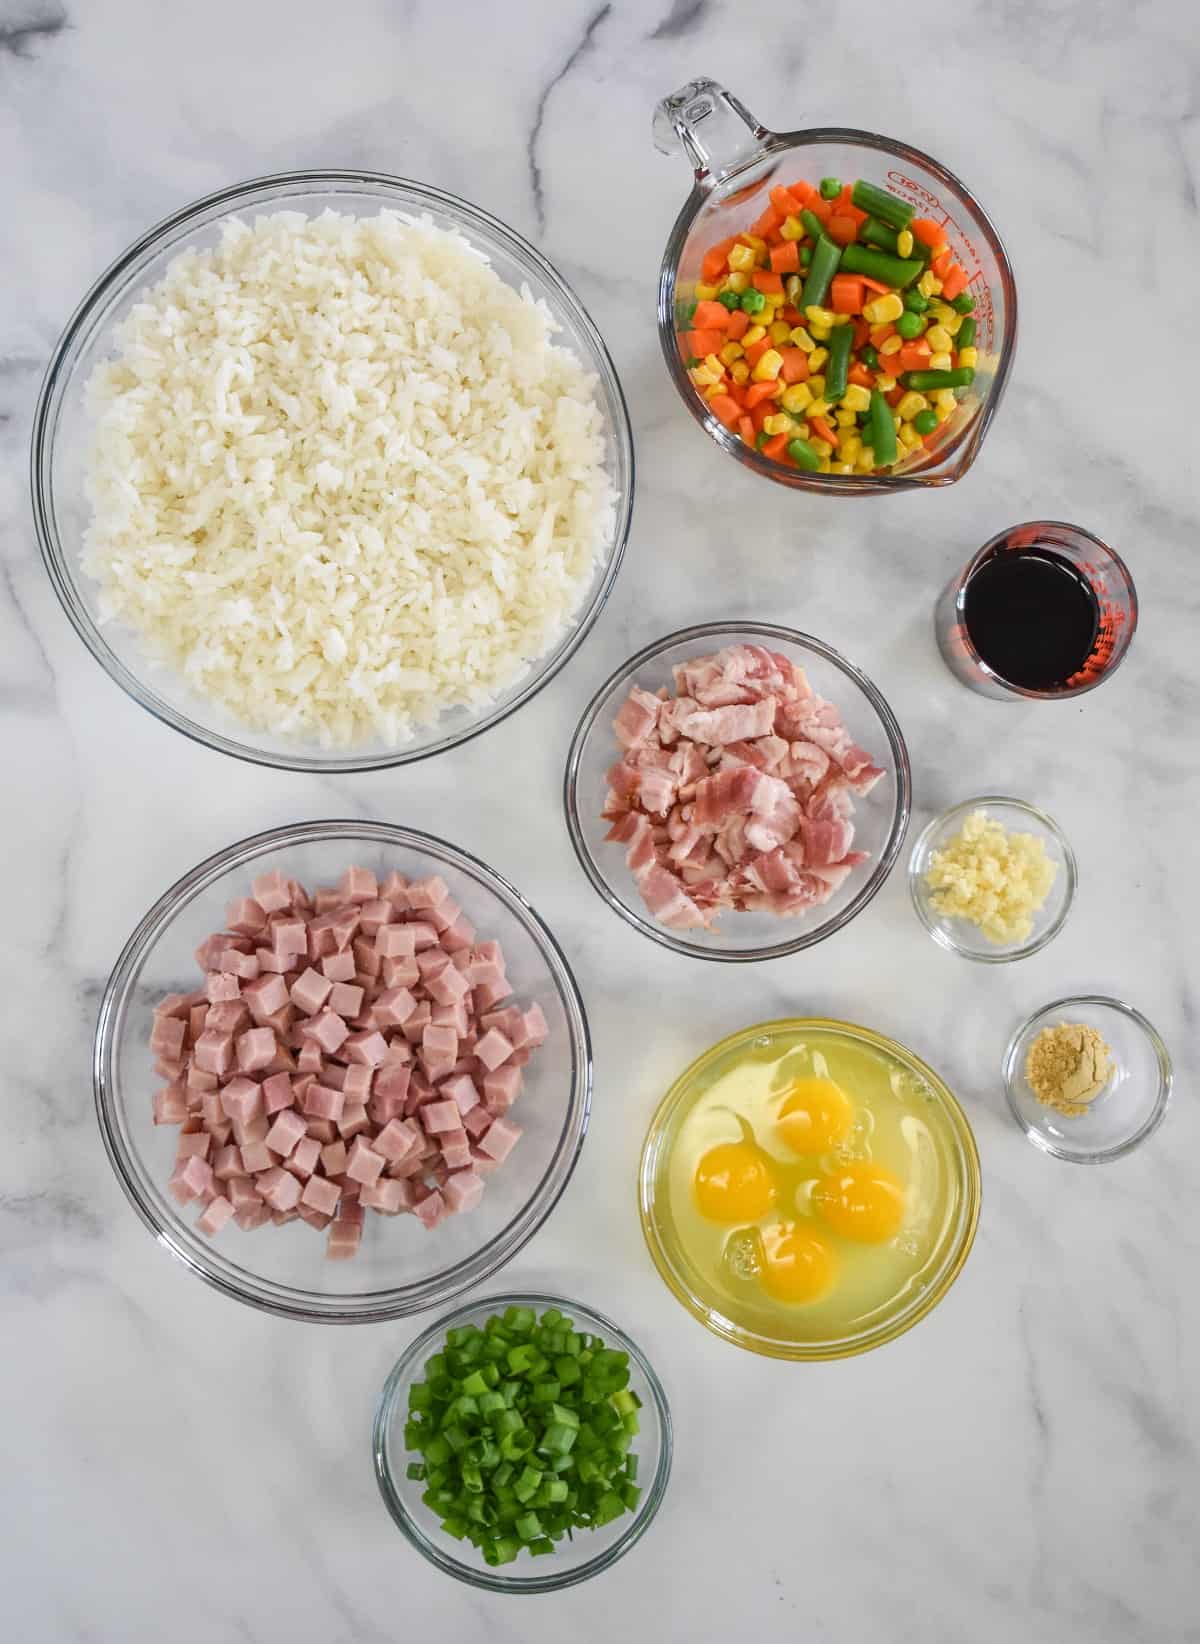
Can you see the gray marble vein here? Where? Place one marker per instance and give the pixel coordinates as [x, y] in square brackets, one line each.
[1026, 1464]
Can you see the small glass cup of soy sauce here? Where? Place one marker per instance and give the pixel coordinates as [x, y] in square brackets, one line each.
[1043, 611]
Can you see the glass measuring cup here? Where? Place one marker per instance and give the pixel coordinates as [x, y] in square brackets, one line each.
[736, 161]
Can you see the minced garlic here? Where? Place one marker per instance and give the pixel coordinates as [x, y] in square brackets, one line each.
[994, 879]
[1068, 1066]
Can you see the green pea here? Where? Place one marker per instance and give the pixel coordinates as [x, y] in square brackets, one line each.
[686, 315]
[964, 303]
[915, 302]
[761, 440]
[729, 300]
[909, 325]
[869, 355]
[753, 302]
[831, 187]
[925, 422]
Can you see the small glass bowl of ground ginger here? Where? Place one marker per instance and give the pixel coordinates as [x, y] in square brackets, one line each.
[992, 879]
[1087, 1079]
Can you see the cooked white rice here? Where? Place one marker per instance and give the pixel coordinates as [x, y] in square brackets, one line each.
[342, 478]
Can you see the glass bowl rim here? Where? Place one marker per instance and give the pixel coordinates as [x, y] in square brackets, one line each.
[972, 1187]
[267, 1295]
[969, 438]
[1166, 1079]
[937, 929]
[90, 312]
[397, 1379]
[902, 775]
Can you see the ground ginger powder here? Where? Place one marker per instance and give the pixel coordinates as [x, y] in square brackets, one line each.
[1068, 1066]
[994, 879]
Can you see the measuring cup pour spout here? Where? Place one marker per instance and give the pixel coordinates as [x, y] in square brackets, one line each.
[716, 131]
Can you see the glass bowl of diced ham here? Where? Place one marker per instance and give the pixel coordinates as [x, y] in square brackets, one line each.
[342, 1071]
[738, 791]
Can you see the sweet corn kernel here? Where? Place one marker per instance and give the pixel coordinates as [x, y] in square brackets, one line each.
[891, 345]
[774, 299]
[816, 385]
[819, 408]
[944, 400]
[703, 377]
[820, 332]
[939, 339]
[737, 281]
[908, 436]
[968, 356]
[779, 331]
[843, 319]
[819, 316]
[753, 334]
[941, 362]
[849, 448]
[739, 371]
[904, 243]
[797, 397]
[943, 412]
[845, 419]
[822, 446]
[778, 424]
[793, 285]
[767, 366]
[707, 293]
[791, 228]
[759, 245]
[865, 460]
[842, 468]
[741, 258]
[712, 363]
[817, 358]
[825, 466]
[882, 309]
[802, 339]
[856, 398]
[731, 351]
[885, 383]
[928, 285]
[911, 404]
[716, 392]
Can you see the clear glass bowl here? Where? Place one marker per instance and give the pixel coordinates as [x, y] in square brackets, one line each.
[61, 440]
[949, 1131]
[880, 819]
[1130, 1107]
[572, 1561]
[400, 1268]
[736, 162]
[959, 936]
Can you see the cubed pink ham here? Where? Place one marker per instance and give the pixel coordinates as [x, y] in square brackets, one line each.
[231, 1016]
[477, 1120]
[243, 965]
[289, 939]
[356, 1081]
[358, 885]
[501, 1087]
[245, 916]
[449, 987]
[397, 1138]
[214, 1052]
[272, 891]
[279, 1188]
[323, 1102]
[439, 1050]
[264, 996]
[170, 1105]
[327, 1029]
[242, 1191]
[338, 967]
[242, 1099]
[344, 1238]
[310, 990]
[251, 1130]
[493, 1049]
[288, 1129]
[393, 1007]
[387, 1196]
[310, 1058]
[192, 1179]
[353, 1121]
[463, 1190]
[440, 1116]
[195, 1142]
[367, 1049]
[373, 915]
[168, 1034]
[499, 1139]
[256, 1156]
[228, 1163]
[430, 1210]
[346, 998]
[304, 1157]
[458, 936]
[333, 1158]
[216, 1213]
[276, 1093]
[456, 1149]
[321, 1195]
[364, 1164]
[537, 1029]
[461, 1090]
[322, 1130]
[255, 1049]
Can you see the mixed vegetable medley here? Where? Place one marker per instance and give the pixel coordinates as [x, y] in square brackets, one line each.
[836, 334]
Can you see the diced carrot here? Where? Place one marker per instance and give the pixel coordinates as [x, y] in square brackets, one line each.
[822, 430]
[803, 191]
[862, 331]
[955, 283]
[725, 410]
[859, 374]
[760, 391]
[737, 393]
[774, 237]
[768, 220]
[710, 316]
[942, 265]
[875, 285]
[716, 259]
[795, 365]
[739, 324]
[785, 258]
[881, 333]
[914, 356]
[841, 229]
[746, 429]
[846, 294]
[775, 446]
[821, 209]
[705, 342]
[760, 414]
[785, 202]
[927, 231]
[756, 350]
[845, 207]
[792, 315]
[763, 279]
[895, 395]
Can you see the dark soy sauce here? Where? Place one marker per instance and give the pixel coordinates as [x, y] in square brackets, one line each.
[1032, 617]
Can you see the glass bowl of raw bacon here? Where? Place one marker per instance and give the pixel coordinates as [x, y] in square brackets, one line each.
[738, 791]
[342, 1071]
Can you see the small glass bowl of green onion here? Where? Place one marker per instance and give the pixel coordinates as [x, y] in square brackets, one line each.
[523, 1443]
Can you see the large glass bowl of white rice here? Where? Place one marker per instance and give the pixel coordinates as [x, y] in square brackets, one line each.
[332, 471]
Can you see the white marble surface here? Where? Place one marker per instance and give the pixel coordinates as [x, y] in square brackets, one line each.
[1025, 1464]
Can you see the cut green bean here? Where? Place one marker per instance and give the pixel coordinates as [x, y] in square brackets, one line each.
[879, 203]
[882, 430]
[877, 265]
[803, 454]
[875, 233]
[926, 381]
[841, 342]
[966, 334]
[821, 270]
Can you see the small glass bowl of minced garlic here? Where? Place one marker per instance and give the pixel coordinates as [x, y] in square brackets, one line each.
[1087, 1079]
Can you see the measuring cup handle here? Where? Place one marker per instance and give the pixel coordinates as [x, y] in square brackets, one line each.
[714, 129]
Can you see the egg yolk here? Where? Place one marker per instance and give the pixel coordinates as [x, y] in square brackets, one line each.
[798, 1265]
[815, 1114]
[733, 1183]
[861, 1201]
